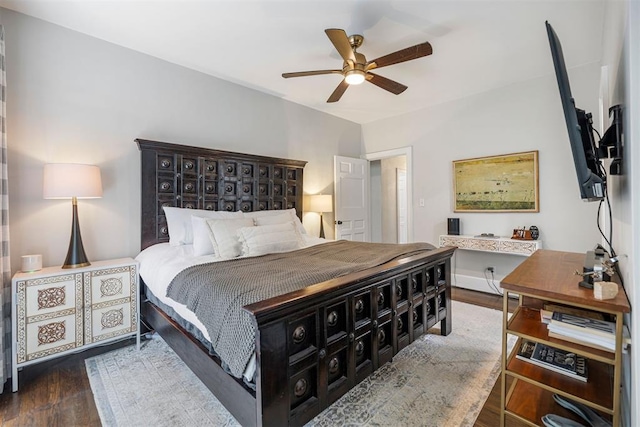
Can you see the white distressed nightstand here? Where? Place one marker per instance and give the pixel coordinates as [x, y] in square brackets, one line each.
[58, 311]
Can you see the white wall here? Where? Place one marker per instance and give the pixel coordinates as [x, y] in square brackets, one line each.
[74, 98]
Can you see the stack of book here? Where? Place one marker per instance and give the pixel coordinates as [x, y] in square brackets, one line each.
[596, 333]
[554, 359]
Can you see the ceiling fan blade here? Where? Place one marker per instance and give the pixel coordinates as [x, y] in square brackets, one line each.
[337, 94]
[310, 73]
[341, 43]
[386, 84]
[407, 54]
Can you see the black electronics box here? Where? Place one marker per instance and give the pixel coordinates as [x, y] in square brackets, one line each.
[453, 226]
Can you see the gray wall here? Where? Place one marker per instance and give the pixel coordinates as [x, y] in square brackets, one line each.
[521, 117]
[73, 98]
[621, 56]
[630, 241]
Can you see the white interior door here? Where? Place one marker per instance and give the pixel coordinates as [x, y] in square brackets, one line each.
[402, 202]
[351, 181]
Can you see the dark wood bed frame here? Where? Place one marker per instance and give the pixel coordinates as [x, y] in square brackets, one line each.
[312, 345]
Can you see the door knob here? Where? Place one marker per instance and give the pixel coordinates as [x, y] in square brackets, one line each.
[338, 222]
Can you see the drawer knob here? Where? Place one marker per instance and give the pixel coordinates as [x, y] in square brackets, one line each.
[332, 318]
[299, 334]
[334, 365]
[399, 291]
[300, 388]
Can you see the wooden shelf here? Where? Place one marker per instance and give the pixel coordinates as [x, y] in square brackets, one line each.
[548, 276]
[530, 403]
[526, 323]
[597, 389]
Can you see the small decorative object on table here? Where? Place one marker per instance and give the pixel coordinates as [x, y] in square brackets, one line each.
[605, 290]
[523, 234]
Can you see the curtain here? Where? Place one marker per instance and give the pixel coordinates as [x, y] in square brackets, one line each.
[5, 266]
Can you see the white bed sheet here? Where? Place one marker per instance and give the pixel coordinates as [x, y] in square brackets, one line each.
[160, 263]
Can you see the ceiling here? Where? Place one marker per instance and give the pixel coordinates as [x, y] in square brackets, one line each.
[478, 45]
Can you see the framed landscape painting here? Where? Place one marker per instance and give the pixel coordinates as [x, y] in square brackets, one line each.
[505, 183]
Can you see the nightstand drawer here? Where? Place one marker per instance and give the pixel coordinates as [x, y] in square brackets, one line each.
[110, 319]
[44, 337]
[109, 284]
[48, 315]
[49, 295]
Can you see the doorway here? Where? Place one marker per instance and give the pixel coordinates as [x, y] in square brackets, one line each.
[390, 195]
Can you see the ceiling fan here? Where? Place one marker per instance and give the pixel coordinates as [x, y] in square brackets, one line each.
[356, 69]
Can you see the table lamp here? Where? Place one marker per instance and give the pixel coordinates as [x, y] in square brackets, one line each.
[321, 203]
[72, 181]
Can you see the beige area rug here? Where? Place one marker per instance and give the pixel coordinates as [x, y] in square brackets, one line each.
[436, 381]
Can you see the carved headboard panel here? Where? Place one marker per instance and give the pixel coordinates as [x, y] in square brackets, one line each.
[202, 178]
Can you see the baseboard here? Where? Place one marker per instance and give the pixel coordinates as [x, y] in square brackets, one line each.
[476, 283]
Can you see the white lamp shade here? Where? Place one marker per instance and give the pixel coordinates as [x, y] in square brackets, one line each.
[68, 180]
[320, 203]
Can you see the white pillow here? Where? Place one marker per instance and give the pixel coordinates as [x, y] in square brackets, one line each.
[292, 213]
[224, 235]
[202, 244]
[266, 239]
[180, 226]
[281, 218]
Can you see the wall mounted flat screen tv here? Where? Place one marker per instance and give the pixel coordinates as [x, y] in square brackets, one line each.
[589, 170]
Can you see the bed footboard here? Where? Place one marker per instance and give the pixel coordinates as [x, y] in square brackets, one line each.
[314, 345]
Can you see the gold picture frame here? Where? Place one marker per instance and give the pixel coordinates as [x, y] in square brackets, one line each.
[504, 183]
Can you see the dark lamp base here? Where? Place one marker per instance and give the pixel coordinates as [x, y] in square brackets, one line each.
[75, 255]
[321, 226]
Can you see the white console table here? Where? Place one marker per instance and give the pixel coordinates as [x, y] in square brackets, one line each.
[501, 245]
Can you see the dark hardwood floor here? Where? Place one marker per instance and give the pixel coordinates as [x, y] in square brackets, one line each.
[57, 392]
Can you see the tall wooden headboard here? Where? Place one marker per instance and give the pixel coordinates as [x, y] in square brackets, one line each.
[202, 178]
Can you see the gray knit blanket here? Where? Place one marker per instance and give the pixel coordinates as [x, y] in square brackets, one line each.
[217, 291]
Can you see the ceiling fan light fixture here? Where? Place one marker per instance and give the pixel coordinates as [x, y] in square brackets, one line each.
[354, 77]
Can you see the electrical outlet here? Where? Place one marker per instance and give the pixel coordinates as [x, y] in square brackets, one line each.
[490, 270]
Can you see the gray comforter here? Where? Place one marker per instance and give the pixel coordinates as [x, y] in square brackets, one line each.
[217, 291]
